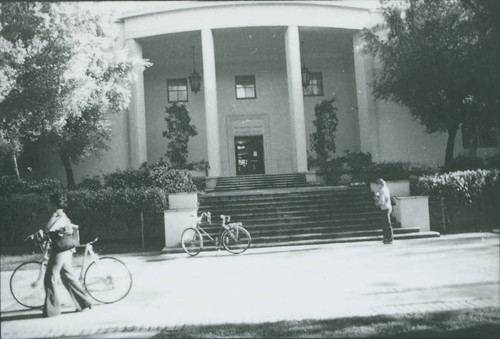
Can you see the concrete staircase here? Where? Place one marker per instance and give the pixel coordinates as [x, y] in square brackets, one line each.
[259, 181]
[303, 215]
[283, 210]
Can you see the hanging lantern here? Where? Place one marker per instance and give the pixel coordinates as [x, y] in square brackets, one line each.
[195, 78]
[306, 75]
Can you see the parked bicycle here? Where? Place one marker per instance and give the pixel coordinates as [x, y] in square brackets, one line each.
[106, 279]
[233, 236]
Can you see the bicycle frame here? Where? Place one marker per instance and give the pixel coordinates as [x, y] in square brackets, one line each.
[224, 227]
[89, 252]
[44, 245]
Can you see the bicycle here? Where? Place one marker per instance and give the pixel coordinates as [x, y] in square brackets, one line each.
[234, 237]
[106, 280]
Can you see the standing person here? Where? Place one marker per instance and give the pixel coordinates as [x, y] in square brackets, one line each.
[59, 263]
[383, 199]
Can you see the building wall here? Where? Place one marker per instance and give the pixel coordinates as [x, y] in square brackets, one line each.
[116, 158]
[268, 66]
[402, 138]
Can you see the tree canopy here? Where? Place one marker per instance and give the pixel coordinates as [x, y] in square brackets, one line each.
[63, 71]
[441, 60]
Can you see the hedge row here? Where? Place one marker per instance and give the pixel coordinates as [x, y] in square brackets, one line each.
[107, 206]
[358, 167]
[108, 214]
[462, 200]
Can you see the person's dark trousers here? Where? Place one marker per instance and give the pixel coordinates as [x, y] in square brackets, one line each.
[60, 264]
[387, 227]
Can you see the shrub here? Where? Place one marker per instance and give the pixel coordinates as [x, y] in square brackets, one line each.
[201, 165]
[91, 183]
[387, 171]
[423, 170]
[157, 175]
[129, 178]
[21, 215]
[110, 210]
[323, 140]
[493, 162]
[464, 163]
[462, 187]
[395, 170]
[12, 185]
[106, 213]
[347, 168]
[178, 132]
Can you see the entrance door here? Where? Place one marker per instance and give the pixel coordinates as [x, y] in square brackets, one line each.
[249, 155]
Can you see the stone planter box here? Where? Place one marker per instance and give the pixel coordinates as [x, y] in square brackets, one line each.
[311, 177]
[182, 213]
[399, 188]
[183, 201]
[211, 182]
[176, 221]
[412, 212]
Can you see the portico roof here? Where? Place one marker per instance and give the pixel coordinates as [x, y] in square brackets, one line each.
[174, 17]
[147, 8]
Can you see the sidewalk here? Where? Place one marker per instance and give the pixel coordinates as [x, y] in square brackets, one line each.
[274, 284]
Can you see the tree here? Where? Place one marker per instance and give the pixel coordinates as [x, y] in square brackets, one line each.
[179, 130]
[66, 72]
[438, 59]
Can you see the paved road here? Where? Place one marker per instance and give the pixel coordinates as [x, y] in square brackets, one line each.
[292, 283]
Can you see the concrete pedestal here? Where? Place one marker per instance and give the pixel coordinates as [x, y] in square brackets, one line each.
[176, 221]
[413, 212]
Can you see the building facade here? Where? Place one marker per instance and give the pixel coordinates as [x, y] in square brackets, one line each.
[252, 112]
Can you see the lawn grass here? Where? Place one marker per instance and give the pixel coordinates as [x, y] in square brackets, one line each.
[470, 323]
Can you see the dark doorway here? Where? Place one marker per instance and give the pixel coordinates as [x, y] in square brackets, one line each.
[249, 155]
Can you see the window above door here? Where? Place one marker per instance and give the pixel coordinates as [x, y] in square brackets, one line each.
[245, 87]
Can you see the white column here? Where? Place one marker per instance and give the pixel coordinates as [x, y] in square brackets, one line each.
[296, 99]
[137, 113]
[368, 124]
[211, 112]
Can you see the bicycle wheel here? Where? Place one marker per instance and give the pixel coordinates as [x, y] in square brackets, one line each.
[192, 242]
[107, 280]
[26, 284]
[236, 240]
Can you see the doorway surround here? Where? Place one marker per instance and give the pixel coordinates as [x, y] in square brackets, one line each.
[248, 125]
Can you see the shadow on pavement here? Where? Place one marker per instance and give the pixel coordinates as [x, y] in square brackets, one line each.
[224, 254]
[11, 316]
[25, 314]
[484, 331]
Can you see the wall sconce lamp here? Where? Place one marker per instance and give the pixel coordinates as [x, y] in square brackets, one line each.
[306, 75]
[195, 78]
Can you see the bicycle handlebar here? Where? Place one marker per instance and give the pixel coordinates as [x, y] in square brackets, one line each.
[208, 215]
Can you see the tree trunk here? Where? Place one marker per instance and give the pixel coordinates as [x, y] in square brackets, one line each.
[69, 169]
[14, 163]
[450, 145]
